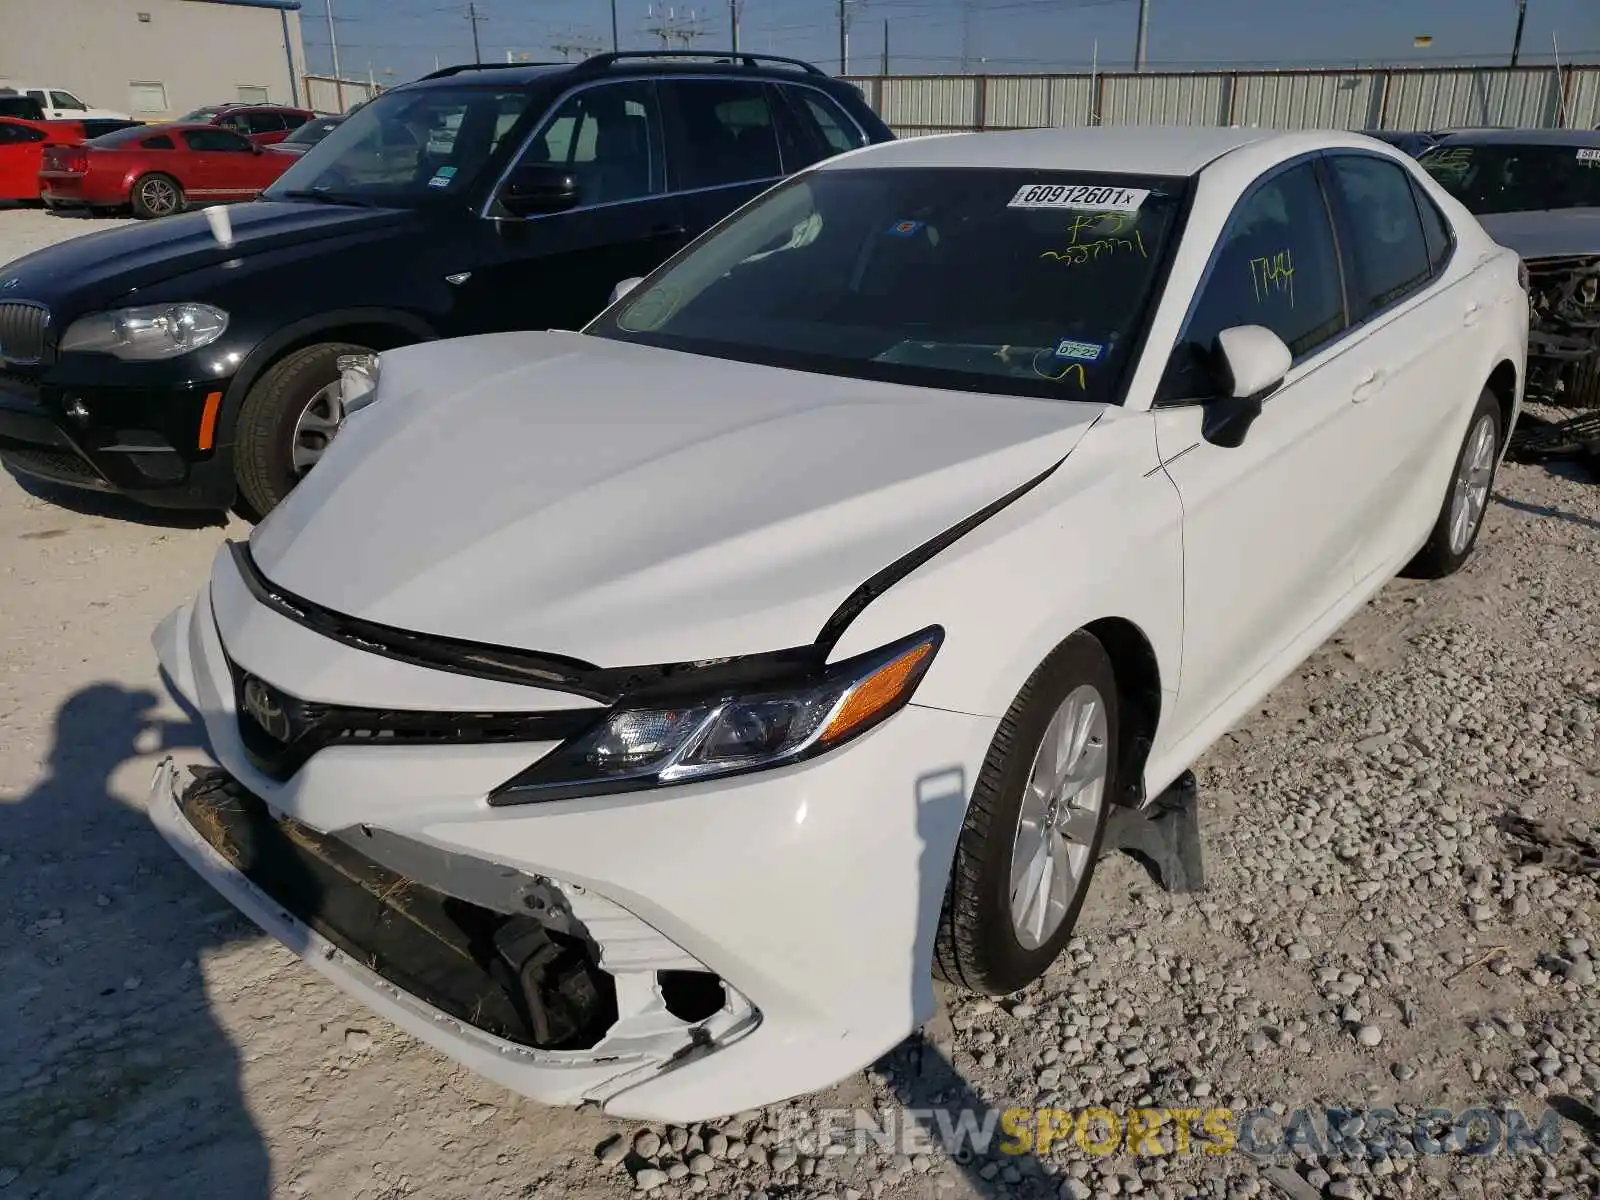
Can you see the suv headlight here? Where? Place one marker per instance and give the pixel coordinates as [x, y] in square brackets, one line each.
[147, 333]
[639, 746]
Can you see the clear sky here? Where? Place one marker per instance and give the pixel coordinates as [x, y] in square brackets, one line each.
[399, 39]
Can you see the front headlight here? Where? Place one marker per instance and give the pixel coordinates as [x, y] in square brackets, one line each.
[710, 737]
[147, 333]
[358, 380]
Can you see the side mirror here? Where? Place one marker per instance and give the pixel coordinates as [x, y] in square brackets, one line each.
[623, 288]
[537, 188]
[1253, 361]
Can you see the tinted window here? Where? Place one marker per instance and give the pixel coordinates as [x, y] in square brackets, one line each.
[838, 131]
[67, 100]
[1434, 228]
[17, 134]
[1497, 177]
[263, 122]
[215, 140]
[161, 142]
[725, 133]
[607, 135]
[38, 96]
[985, 280]
[293, 120]
[409, 147]
[1277, 266]
[233, 121]
[1383, 236]
[20, 106]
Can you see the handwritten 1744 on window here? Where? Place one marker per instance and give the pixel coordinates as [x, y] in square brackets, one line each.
[1273, 276]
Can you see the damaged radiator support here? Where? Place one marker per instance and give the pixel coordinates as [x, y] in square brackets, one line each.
[1563, 359]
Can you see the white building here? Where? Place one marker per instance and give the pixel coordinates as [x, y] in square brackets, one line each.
[156, 59]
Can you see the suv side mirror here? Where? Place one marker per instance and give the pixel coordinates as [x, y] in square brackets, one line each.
[1254, 361]
[536, 188]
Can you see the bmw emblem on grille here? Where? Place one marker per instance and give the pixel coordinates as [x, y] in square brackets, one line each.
[266, 710]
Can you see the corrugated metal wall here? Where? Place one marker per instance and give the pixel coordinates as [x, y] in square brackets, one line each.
[325, 94]
[1402, 98]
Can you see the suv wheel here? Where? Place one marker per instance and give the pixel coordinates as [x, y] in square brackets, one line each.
[287, 421]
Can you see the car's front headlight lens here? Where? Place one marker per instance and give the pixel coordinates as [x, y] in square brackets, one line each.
[147, 333]
[358, 381]
[658, 745]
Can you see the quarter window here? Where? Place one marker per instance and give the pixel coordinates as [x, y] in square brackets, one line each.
[838, 131]
[215, 140]
[1434, 229]
[1384, 239]
[18, 134]
[159, 142]
[724, 133]
[607, 135]
[1276, 265]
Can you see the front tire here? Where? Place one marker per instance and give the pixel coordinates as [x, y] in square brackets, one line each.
[156, 195]
[1455, 532]
[287, 421]
[1034, 827]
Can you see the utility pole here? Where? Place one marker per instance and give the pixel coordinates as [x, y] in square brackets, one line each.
[883, 67]
[333, 40]
[844, 40]
[472, 15]
[614, 46]
[1516, 40]
[733, 20]
[966, 36]
[1144, 35]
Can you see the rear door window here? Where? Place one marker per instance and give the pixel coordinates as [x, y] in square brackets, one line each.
[293, 120]
[723, 132]
[263, 122]
[1381, 231]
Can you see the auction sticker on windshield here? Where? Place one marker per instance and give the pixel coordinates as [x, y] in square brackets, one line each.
[1079, 196]
[1589, 155]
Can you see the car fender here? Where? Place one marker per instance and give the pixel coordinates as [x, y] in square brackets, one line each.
[1101, 538]
[413, 328]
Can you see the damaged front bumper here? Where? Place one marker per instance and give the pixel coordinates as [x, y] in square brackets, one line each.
[1563, 358]
[674, 955]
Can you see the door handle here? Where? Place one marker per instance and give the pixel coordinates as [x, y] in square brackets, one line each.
[1367, 386]
[1473, 314]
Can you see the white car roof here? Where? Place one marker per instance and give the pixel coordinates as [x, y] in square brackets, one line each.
[1129, 149]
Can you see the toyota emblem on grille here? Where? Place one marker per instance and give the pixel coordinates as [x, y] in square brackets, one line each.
[265, 710]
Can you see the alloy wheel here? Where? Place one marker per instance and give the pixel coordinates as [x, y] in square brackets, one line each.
[1060, 812]
[315, 428]
[1471, 493]
[159, 197]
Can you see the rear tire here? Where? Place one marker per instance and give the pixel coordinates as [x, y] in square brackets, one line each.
[287, 420]
[991, 939]
[156, 195]
[1455, 532]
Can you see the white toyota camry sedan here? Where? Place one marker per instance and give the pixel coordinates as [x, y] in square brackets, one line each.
[646, 715]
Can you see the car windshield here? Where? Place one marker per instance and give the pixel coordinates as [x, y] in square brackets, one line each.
[1504, 177]
[1021, 282]
[312, 132]
[407, 147]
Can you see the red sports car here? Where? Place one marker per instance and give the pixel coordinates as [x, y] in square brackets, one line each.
[157, 170]
[22, 144]
[263, 124]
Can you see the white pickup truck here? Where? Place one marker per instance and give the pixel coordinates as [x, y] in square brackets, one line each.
[58, 103]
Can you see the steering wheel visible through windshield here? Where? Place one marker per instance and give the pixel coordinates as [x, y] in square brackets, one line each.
[406, 147]
[1022, 282]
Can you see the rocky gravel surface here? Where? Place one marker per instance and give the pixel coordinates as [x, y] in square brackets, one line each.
[1379, 937]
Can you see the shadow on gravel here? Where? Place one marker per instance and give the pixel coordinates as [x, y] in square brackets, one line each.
[115, 1081]
[115, 507]
[1540, 510]
[926, 1084]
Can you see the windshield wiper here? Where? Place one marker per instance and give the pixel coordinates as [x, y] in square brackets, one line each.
[322, 197]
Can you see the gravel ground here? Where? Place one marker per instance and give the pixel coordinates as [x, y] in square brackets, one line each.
[1371, 936]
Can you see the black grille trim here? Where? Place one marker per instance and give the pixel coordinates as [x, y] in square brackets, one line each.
[24, 332]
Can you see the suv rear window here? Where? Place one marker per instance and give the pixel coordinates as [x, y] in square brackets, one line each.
[984, 280]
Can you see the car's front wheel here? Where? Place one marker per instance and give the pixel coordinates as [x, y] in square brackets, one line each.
[1034, 826]
[156, 195]
[1455, 531]
[287, 422]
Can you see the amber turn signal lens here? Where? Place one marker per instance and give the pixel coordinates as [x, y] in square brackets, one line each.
[883, 689]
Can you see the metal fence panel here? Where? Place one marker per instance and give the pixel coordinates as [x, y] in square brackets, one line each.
[325, 94]
[1198, 99]
[1583, 98]
[933, 100]
[1030, 101]
[1303, 100]
[1489, 96]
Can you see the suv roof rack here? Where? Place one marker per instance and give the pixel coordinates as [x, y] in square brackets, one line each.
[459, 68]
[749, 62]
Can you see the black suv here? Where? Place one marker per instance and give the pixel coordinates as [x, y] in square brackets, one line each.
[187, 369]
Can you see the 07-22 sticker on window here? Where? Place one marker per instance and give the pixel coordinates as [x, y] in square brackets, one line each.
[1079, 196]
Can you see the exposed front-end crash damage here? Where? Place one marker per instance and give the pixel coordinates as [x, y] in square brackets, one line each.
[1563, 357]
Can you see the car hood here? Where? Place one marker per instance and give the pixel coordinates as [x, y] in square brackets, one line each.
[1552, 233]
[627, 505]
[84, 272]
